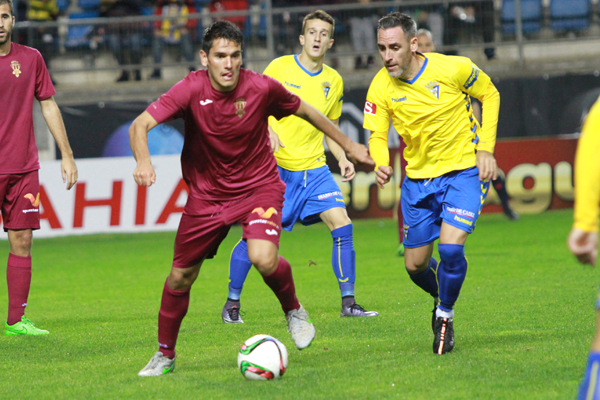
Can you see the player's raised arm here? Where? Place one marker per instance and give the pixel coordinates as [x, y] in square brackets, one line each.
[144, 174]
[53, 118]
[356, 152]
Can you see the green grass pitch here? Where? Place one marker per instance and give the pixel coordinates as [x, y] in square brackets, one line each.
[523, 322]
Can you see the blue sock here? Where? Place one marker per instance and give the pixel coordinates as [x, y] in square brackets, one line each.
[344, 259]
[427, 279]
[239, 266]
[590, 387]
[451, 273]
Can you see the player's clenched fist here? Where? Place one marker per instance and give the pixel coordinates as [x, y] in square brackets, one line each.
[383, 175]
[144, 174]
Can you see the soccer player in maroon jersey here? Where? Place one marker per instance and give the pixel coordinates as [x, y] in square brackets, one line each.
[232, 176]
[23, 76]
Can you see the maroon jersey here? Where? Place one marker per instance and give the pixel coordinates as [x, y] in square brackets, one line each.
[226, 153]
[23, 75]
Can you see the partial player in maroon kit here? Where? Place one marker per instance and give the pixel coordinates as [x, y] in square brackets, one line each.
[23, 77]
[232, 174]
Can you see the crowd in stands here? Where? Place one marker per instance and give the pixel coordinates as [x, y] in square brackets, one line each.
[449, 23]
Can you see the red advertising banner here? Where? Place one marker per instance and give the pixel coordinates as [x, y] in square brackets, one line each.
[539, 177]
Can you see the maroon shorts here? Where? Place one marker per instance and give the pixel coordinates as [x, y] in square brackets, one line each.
[204, 224]
[20, 195]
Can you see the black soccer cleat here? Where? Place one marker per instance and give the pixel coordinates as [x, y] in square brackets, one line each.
[443, 341]
[436, 302]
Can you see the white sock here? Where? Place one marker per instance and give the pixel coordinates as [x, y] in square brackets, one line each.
[444, 314]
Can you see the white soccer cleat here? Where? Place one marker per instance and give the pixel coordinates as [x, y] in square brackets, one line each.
[158, 365]
[356, 310]
[299, 325]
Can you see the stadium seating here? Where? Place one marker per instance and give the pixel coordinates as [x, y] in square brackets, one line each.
[531, 16]
[79, 35]
[89, 5]
[569, 15]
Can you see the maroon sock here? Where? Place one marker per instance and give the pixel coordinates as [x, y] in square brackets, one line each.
[18, 279]
[173, 307]
[281, 283]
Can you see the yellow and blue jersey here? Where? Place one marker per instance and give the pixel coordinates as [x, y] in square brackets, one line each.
[433, 115]
[323, 90]
[587, 173]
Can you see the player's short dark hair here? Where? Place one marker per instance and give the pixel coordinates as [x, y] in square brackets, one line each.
[221, 30]
[323, 16]
[10, 6]
[394, 19]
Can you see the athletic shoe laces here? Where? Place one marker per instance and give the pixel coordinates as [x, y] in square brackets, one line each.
[356, 307]
[234, 313]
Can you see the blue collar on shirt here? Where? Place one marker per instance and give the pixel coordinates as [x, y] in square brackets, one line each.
[413, 80]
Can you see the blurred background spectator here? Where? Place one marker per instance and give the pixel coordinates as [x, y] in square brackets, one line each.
[362, 33]
[468, 18]
[231, 5]
[124, 39]
[43, 39]
[175, 29]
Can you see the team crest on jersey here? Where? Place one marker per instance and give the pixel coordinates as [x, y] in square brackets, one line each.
[326, 87]
[434, 88]
[240, 105]
[16, 67]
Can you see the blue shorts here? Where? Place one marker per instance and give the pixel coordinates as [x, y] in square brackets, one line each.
[455, 198]
[307, 194]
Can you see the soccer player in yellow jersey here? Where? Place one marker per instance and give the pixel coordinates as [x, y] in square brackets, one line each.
[311, 193]
[583, 240]
[449, 157]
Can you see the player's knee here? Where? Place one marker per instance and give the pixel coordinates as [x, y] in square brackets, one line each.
[416, 267]
[264, 261]
[182, 278]
[451, 252]
[20, 242]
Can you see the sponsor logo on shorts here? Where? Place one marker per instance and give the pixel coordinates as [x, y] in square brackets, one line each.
[265, 214]
[31, 210]
[35, 201]
[459, 211]
[464, 221]
[271, 232]
[263, 221]
[370, 108]
[328, 195]
[405, 228]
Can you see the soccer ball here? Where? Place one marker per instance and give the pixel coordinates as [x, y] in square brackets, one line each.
[262, 357]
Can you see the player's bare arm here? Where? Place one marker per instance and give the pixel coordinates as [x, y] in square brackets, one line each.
[584, 245]
[346, 167]
[53, 118]
[143, 174]
[274, 140]
[486, 163]
[356, 152]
